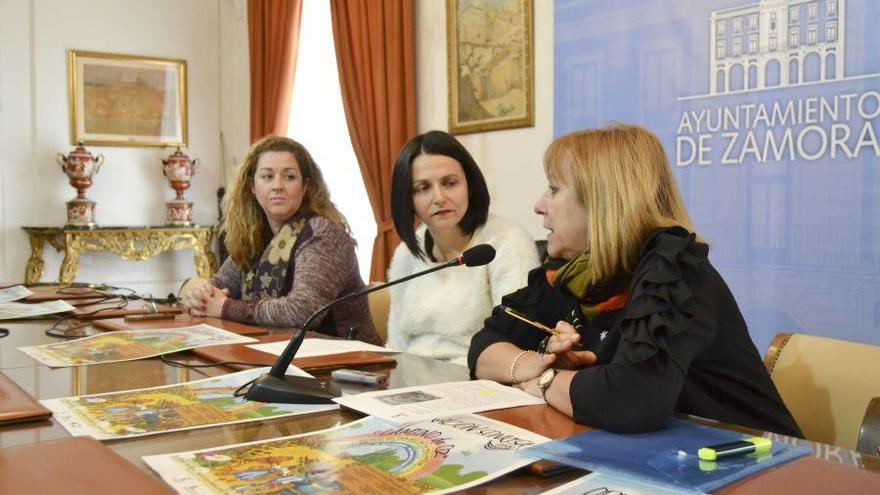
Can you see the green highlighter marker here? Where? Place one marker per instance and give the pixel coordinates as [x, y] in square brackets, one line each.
[759, 445]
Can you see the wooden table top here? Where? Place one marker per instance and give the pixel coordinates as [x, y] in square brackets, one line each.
[829, 470]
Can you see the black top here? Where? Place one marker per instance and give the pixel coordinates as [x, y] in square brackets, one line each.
[680, 344]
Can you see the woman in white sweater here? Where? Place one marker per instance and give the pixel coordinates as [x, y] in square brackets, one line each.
[437, 181]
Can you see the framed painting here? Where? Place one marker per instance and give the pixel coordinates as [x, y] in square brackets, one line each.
[490, 64]
[126, 100]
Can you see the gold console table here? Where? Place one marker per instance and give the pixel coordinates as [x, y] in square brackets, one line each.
[129, 243]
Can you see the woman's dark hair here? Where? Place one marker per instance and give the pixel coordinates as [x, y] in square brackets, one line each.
[402, 209]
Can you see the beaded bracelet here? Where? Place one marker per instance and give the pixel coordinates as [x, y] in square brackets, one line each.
[516, 359]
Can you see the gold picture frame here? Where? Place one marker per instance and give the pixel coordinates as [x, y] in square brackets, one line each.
[490, 64]
[126, 100]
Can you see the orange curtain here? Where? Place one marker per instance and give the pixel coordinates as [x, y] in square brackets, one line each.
[375, 52]
[273, 35]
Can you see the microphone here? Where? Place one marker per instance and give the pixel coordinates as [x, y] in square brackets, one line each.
[476, 256]
[276, 387]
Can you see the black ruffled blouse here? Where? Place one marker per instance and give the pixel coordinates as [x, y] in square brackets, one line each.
[680, 344]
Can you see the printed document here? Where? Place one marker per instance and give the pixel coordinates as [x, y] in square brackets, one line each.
[14, 293]
[405, 405]
[320, 347]
[14, 310]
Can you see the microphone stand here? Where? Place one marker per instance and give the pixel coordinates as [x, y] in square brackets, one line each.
[278, 387]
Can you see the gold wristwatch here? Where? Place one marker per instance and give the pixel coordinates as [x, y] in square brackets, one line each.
[545, 380]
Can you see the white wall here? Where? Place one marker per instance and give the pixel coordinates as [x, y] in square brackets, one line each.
[235, 106]
[130, 189]
[509, 159]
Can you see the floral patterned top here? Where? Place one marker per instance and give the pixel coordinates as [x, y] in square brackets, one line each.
[269, 276]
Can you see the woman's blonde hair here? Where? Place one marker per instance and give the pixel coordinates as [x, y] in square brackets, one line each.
[622, 178]
[245, 225]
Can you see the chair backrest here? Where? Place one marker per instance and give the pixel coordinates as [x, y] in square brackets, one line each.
[825, 383]
[869, 434]
[380, 304]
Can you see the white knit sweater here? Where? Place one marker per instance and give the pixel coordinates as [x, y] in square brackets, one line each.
[436, 315]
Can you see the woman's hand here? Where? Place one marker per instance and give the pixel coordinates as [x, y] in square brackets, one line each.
[195, 294]
[530, 366]
[561, 344]
[214, 302]
[203, 299]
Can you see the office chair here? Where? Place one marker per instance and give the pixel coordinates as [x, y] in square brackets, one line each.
[826, 384]
[869, 434]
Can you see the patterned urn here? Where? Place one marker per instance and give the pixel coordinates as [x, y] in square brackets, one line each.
[179, 169]
[80, 165]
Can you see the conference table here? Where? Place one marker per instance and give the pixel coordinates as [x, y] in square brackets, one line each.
[842, 472]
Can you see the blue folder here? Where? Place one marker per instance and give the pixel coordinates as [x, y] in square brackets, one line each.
[667, 457]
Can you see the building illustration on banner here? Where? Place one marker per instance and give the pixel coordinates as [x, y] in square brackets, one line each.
[776, 43]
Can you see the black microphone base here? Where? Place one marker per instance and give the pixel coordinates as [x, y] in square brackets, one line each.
[292, 390]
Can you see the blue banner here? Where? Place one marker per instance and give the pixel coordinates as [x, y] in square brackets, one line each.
[770, 114]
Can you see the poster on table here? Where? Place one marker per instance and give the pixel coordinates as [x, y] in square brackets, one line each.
[128, 345]
[368, 456]
[768, 110]
[183, 406]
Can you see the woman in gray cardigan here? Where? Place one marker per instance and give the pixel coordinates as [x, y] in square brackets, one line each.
[290, 251]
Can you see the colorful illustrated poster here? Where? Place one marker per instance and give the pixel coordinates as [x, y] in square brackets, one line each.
[603, 484]
[14, 293]
[369, 456]
[15, 310]
[128, 345]
[183, 406]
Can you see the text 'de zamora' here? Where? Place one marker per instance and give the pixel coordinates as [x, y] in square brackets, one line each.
[808, 129]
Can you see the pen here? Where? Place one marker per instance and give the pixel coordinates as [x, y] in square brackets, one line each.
[746, 446]
[540, 326]
[519, 316]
